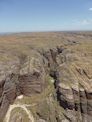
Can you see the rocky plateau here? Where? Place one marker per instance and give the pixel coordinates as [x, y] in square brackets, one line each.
[46, 77]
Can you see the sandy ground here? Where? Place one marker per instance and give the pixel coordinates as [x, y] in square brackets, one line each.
[7, 117]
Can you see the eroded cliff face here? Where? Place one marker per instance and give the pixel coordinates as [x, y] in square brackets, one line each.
[51, 84]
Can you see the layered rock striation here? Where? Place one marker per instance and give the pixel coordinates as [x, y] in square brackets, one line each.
[68, 69]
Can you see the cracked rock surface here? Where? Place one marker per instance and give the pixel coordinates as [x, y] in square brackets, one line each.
[53, 73]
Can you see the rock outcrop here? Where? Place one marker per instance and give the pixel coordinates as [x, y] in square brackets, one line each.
[58, 80]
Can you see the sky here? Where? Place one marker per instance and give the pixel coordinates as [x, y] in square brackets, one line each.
[45, 15]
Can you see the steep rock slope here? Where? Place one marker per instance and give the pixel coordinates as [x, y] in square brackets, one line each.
[53, 77]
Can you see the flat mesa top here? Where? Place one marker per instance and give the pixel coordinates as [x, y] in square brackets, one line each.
[13, 44]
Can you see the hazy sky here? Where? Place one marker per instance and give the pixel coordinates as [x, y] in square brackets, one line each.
[44, 15]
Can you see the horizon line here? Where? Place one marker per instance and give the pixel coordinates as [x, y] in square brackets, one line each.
[45, 31]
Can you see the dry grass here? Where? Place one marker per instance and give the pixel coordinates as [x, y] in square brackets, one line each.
[15, 44]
